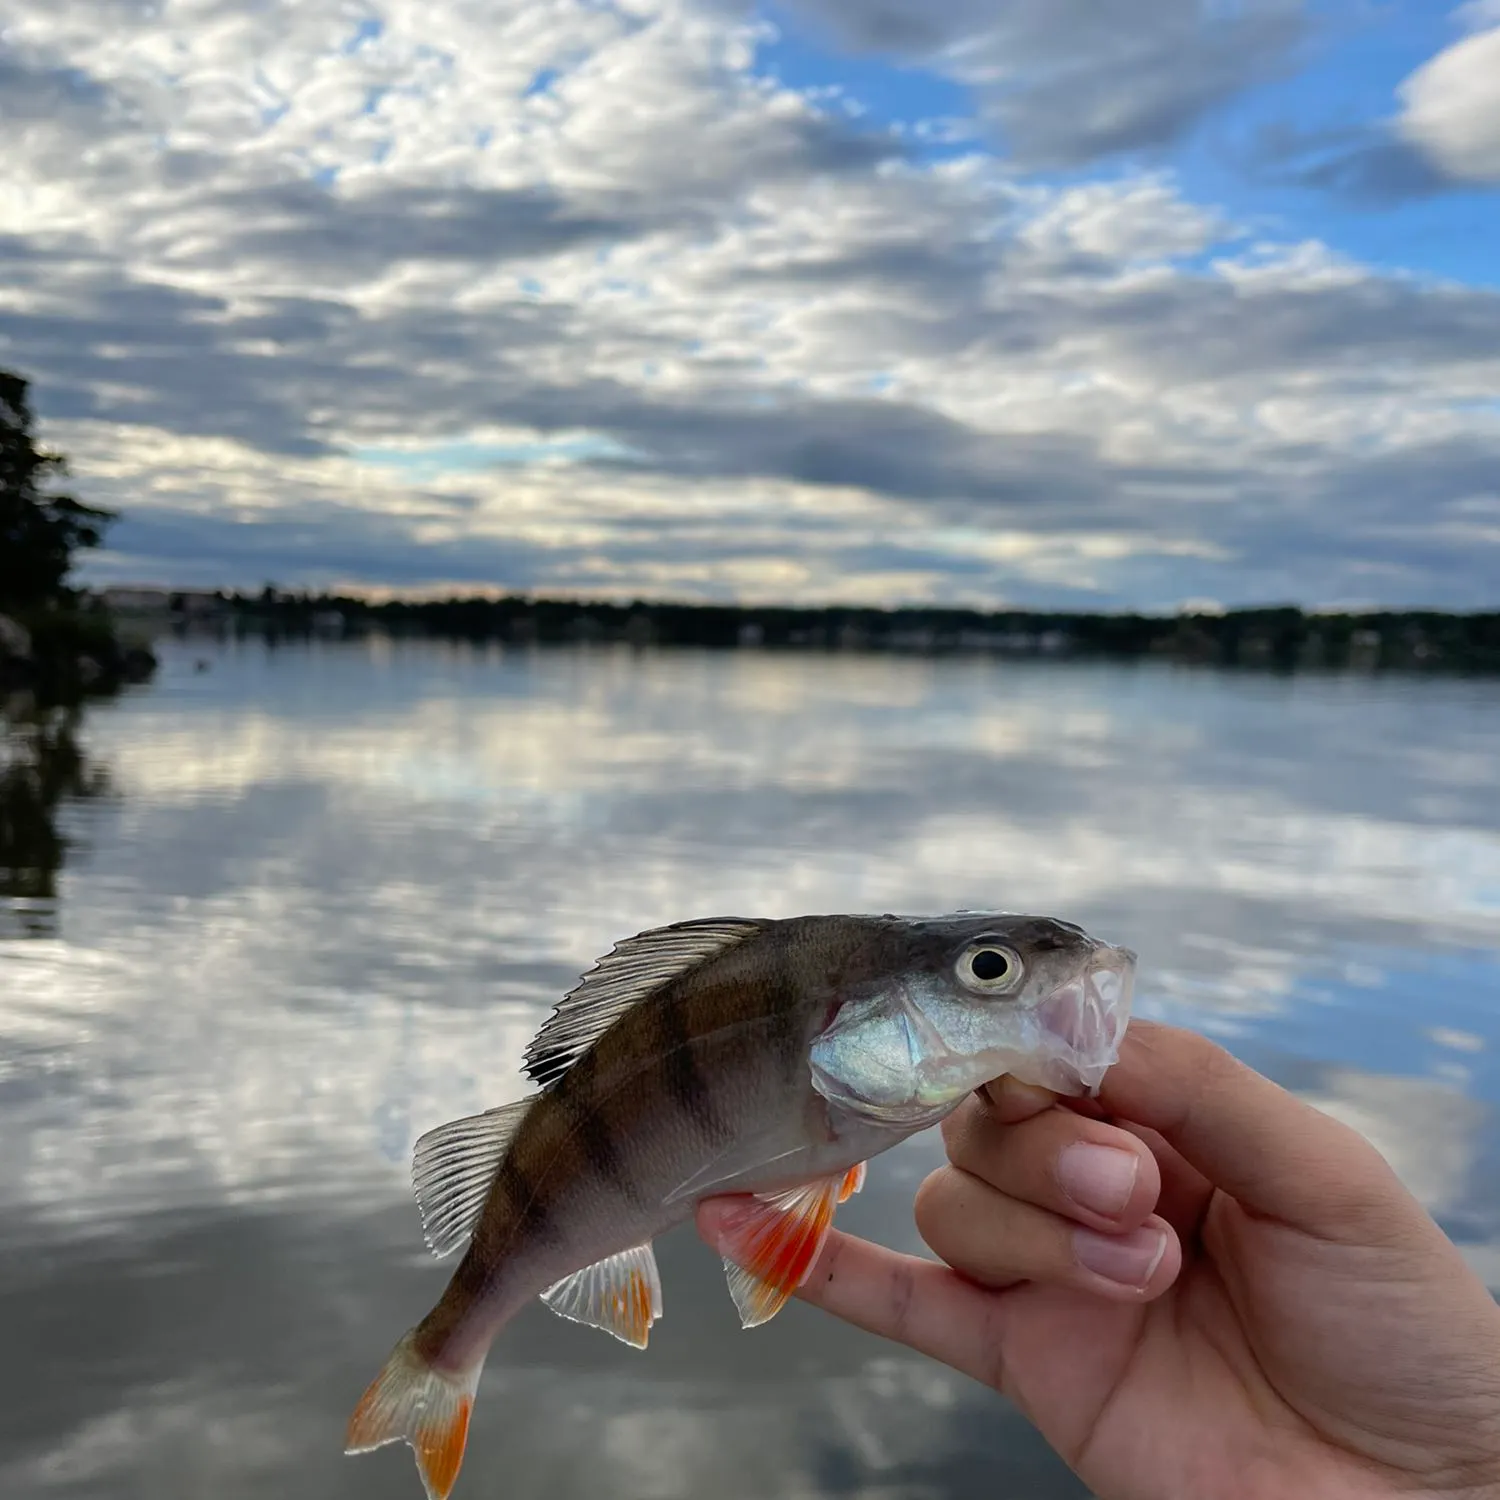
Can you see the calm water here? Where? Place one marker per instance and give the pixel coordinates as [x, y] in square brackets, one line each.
[315, 901]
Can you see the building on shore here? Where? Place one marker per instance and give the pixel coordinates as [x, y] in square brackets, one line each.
[175, 604]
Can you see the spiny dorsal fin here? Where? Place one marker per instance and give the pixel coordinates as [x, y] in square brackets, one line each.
[636, 968]
[620, 1294]
[452, 1169]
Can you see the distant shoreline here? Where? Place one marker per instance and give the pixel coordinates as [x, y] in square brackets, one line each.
[1276, 638]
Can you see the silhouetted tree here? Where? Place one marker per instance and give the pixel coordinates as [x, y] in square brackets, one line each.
[40, 529]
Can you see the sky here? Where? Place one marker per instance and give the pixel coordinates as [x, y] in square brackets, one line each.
[1059, 303]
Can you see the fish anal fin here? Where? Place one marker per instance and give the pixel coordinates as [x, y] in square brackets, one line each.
[634, 970]
[411, 1401]
[770, 1244]
[620, 1294]
[452, 1168]
[854, 1180]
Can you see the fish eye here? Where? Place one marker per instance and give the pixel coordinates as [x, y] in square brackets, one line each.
[988, 967]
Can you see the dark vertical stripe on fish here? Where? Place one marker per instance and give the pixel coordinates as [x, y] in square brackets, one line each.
[599, 1142]
[527, 1202]
[684, 1078]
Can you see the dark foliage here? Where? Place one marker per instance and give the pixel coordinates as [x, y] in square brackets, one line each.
[1273, 638]
[40, 529]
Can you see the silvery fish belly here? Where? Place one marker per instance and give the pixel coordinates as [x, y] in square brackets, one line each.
[731, 1055]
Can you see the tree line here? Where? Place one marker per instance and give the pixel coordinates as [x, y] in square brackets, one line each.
[1282, 637]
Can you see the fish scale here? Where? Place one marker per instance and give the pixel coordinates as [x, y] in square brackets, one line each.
[765, 1058]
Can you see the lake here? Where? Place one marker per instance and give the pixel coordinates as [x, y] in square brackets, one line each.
[315, 899]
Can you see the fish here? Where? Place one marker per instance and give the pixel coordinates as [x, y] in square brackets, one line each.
[772, 1058]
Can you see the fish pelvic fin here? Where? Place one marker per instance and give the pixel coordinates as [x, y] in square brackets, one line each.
[770, 1245]
[412, 1401]
[620, 1294]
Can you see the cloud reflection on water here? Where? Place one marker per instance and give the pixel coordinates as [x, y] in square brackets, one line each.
[339, 888]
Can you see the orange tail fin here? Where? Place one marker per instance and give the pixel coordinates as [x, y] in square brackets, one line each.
[411, 1402]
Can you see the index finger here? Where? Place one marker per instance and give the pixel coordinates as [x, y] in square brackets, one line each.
[920, 1303]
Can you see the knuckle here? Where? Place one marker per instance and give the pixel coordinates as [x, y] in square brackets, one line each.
[1367, 1196]
[903, 1291]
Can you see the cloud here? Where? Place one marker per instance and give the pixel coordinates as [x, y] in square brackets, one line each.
[1430, 1134]
[1443, 137]
[1368, 164]
[752, 347]
[1067, 83]
[1451, 105]
[364, 234]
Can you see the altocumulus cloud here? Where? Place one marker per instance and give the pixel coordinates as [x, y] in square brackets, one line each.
[722, 334]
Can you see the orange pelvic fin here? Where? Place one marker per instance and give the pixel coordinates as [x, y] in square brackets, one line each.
[412, 1402]
[771, 1244]
[854, 1180]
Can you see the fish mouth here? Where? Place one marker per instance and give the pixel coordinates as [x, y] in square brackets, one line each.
[1082, 1023]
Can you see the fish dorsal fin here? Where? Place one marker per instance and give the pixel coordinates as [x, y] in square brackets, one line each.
[637, 967]
[620, 1294]
[452, 1169]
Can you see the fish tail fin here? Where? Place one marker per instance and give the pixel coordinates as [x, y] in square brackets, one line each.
[412, 1401]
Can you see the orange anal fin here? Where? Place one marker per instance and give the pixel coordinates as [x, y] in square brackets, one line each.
[620, 1294]
[770, 1244]
[854, 1180]
[412, 1402]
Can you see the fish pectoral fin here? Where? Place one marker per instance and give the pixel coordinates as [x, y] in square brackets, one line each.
[752, 1153]
[854, 1180]
[771, 1245]
[452, 1169]
[620, 1294]
[412, 1402]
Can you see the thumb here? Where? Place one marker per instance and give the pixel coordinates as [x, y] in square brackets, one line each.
[1278, 1156]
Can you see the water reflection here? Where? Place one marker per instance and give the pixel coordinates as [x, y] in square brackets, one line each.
[343, 883]
[43, 767]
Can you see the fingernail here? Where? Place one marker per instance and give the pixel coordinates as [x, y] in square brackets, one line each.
[1098, 1178]
[1126, 1259]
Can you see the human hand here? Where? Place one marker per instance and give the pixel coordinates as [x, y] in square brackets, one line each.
[1236, 1296]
